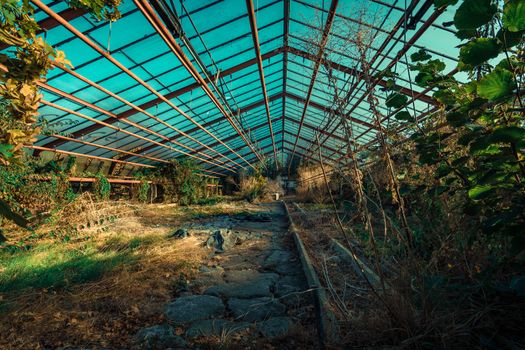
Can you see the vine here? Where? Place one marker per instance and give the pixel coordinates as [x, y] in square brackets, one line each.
[101, 187]
[143, 191]
[21, 71]
[24, 68]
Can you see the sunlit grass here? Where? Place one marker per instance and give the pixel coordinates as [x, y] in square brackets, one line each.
[61, 265]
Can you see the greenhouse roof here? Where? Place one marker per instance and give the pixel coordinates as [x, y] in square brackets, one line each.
[227, 82]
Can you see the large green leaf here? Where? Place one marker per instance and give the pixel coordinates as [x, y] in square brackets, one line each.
[477, 51]
[514, 15]
[421, 55]
[509, 39]
[479, 192]
[457, 119]
[396, 100]
[472, 14]
[445, 96]
[508, 134]
[403, 115]
[5, 151]
[497, 84]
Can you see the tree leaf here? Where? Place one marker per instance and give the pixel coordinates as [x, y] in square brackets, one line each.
[509, 39]
[445, 96]
[457, 119]
[479, 192]
[396, 100]
[5, 151]
[495, 85]
[472, 14]
[421, 55]
[477, 51]
[508, 134]
[514, 15]
[403, 115]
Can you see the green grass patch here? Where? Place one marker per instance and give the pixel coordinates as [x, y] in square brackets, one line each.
[60, 265]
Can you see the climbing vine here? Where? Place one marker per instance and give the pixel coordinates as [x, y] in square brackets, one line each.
[101, 187]
[25, 67]
[143, 191]
[22, 69]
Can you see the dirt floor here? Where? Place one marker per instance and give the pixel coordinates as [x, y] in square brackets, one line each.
[159, 276]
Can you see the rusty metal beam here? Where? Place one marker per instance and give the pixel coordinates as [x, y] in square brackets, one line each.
[114, 117]
[50, 23]
[317, 64]
[351, 71]
[168, 38]
[64, 109]
[111, 115]
[257, 48]
[110, 58]
[286, 24]
[256, 45]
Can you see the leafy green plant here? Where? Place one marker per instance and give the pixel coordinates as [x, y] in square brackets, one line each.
[181, 181]
[143, 191]
[101, 187]
[476, 143]
[28, 67]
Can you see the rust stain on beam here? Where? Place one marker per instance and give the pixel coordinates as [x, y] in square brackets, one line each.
[256, 45]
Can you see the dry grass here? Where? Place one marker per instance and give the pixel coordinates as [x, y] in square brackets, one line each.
[445, 316]
[124, 296]
[310, 184]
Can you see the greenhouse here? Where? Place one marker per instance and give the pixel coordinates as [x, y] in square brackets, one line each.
[262, 174]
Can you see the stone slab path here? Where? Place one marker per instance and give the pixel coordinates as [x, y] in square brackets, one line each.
[250, 294]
